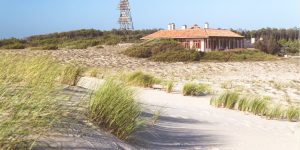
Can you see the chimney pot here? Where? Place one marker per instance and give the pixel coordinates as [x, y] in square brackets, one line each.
[206, 25]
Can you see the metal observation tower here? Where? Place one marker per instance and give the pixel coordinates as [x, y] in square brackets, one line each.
[125, 19]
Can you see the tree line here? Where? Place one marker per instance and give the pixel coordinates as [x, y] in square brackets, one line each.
[273, 40]
[277, 34]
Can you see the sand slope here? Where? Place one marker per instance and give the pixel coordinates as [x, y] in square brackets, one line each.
[191, 123]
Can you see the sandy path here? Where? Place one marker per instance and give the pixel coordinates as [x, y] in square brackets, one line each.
[191, 123]
[75, 131]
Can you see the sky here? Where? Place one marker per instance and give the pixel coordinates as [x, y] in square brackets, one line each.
[22, 18]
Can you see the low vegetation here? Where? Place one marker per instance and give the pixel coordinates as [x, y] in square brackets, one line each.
[162, 50]
[236, 55]
[79, 39]
[255, 105]
[193, 89]
[290, 46]
[141, 79]
[171, 51]
[113, 107]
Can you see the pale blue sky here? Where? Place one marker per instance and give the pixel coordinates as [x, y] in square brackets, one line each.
[21, 18]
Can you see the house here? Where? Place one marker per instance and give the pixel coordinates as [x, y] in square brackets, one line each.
[202, 39]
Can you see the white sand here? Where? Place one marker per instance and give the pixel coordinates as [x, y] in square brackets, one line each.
[191, 123]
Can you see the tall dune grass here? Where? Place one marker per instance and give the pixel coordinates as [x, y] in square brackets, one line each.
[169, 85]
[71, 74]
[258, 106]
[193, 89]
[113, 107]
[141, 79]
[293, 113]
[27, 103]
[255, 105]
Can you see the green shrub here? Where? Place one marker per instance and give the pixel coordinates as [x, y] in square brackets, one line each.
[12, 43]
[162, 50]
[71, 74]
[140, 79]
[177, 56]
[15, 46]
[293, 113]
[236, 55]
[113, 106]
[192, 89]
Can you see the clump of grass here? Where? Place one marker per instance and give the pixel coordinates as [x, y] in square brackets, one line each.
[113, 106]
[93, 72]
[243, 104]
[193, 89]
[169, 85]
[141, 79]
[227, 85]
[70, 74]
[293, 113]
[258, 106]
[226, 100]
[214, 101]
[276, 112]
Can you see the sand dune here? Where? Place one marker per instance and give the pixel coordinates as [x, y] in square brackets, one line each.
[191, 123]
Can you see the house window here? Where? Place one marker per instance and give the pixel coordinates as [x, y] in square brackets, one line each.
[197, 44]
[187, 44]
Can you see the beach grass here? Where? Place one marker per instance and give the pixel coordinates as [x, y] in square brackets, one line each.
[114, 107]
[256, 105]
[193, 89]
[141, 79]
[71, 74]
[28, 107]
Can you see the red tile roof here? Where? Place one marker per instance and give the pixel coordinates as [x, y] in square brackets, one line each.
[192, 33]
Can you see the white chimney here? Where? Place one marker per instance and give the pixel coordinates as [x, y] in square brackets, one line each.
[171, 26]
[183, 27]
[206, 25]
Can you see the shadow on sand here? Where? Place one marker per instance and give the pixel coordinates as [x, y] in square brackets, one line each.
[176, 133]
